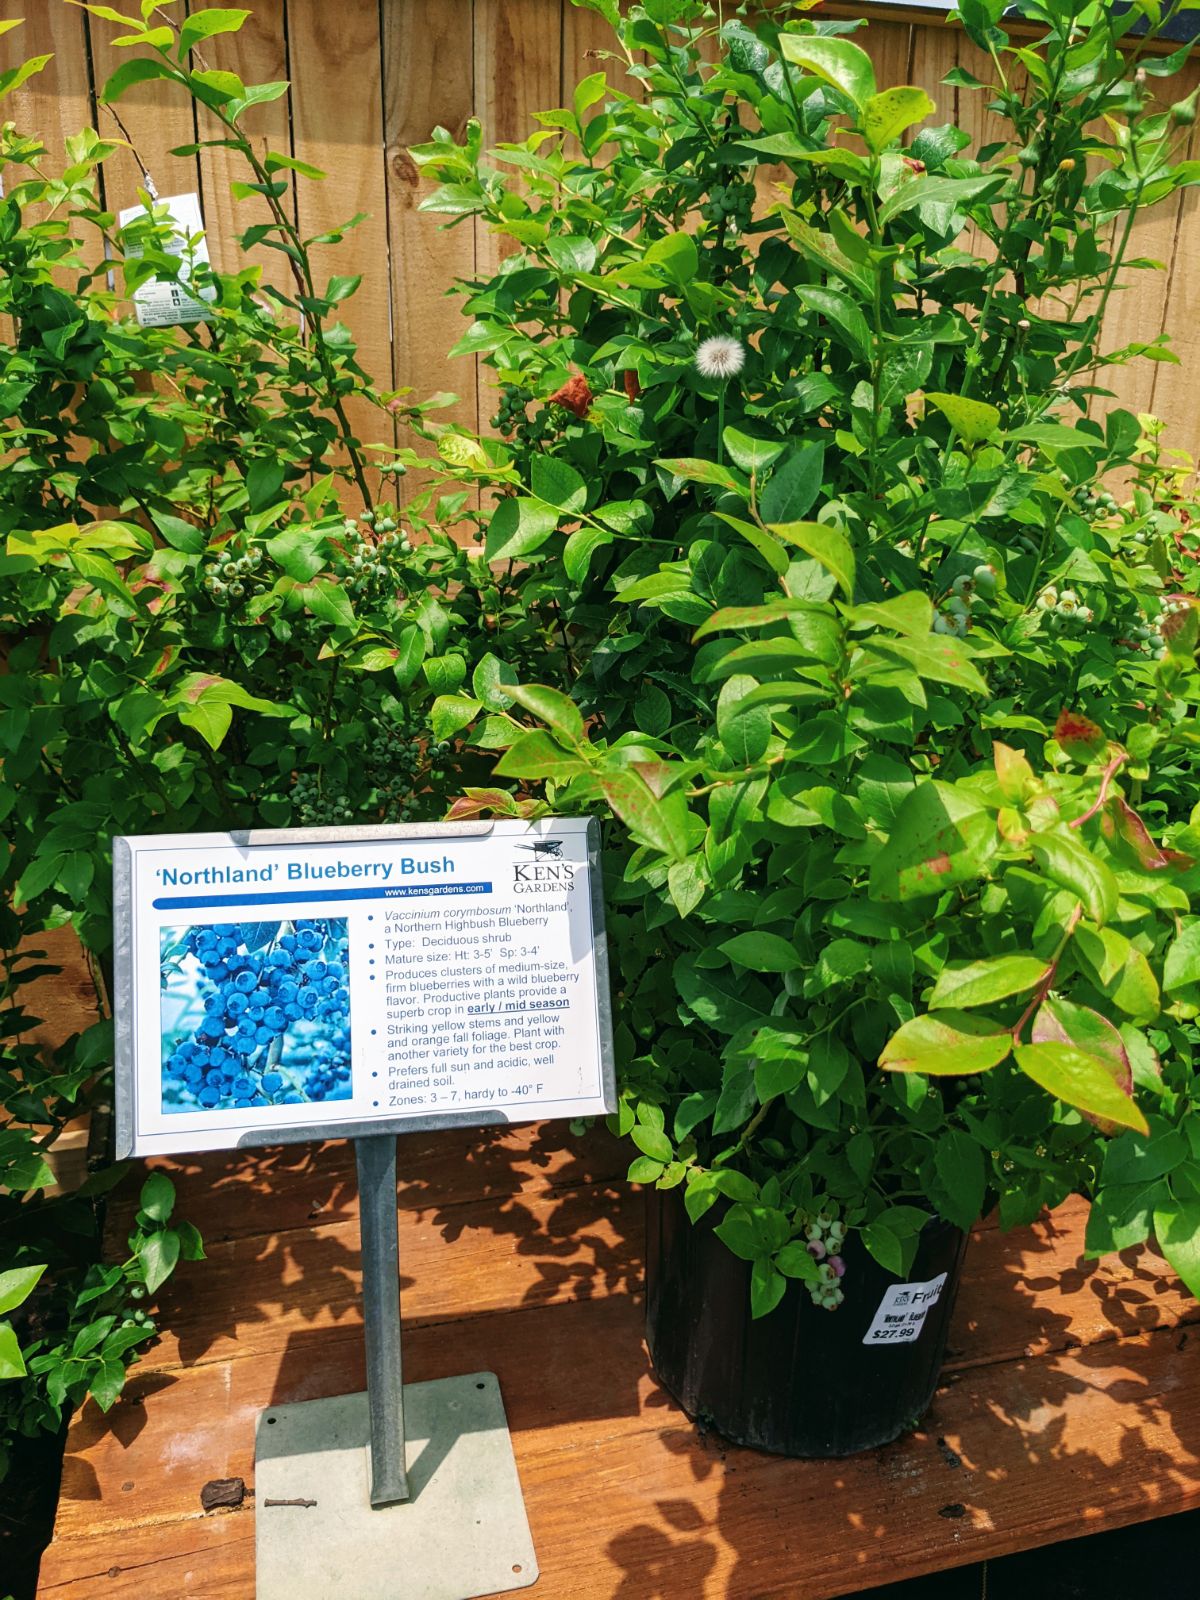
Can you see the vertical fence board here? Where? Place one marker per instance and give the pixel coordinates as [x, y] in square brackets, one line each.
[1172, 389]
[258, 54]
[518, 70]
[428, 80]
[159, 118]
[337, 124]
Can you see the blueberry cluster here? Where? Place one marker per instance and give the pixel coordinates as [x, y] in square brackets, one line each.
[825, 1236]
[730, 203]
[1097, 503]
[368, 569]
[1063, 607]
[229, 577]
[390, 770]
[512, 419]
[276, 1024]
[1146, 637]
[954, 617]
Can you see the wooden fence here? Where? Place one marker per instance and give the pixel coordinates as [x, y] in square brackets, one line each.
[371, 77]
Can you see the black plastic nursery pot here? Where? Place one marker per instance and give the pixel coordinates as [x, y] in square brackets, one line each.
[802, 1381]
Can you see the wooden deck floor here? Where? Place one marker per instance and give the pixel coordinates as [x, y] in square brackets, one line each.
[1071, 1399]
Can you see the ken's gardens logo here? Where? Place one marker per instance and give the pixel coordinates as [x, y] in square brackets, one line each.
[546, 871]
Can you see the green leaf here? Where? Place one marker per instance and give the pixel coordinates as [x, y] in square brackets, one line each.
[793, 487]
[558, 484]
[762, 952]
[745, 729]
[580, 547]
[643, 1170]
[330, 603]
[158, 1196]
[1181, 969]
[794, 1261]
[158, 1254]
[885, 1246]
[12, 1363]
[767, 1286]
[721, 1000]
[958, 1163]
[941, 837]
[752, 455]
[1072, 865]
[752, 616]
[694, 470]
[843, 312]
[518, 527]
[1177, 1228]
[955, 193]
[939, 658]
[653, 1143]
[676, 257]
[1067, 1023]
[17, 1285]
[410, 653]
[106, 1383]
[204, 24]
[535, 755]
[825, 544]
[837, 61]
[946, 1043]
[885, 116]
[1080, 1079]
[450, 712]
[910, 614]
[978, 983]
[973, 420]
[491, 681]
[660, 824]
[768, 548]
[130, 73]
[555, 709]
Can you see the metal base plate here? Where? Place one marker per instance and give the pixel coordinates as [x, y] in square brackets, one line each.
[463, 1533]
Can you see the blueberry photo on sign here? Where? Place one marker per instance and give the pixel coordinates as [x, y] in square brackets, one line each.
[254, 1014]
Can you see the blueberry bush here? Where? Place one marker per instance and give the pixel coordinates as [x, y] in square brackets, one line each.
[222, 607]
[255, 1014]
[878, 627]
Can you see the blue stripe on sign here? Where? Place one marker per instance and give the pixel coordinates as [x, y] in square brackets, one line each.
[400, 891]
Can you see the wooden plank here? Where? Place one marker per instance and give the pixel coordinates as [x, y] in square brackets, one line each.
[66, 1001]
[518, 70]
[1172, 388]
[158, 116]
[235, 1194]
[55, 102]
[428, 81]
[258, 54]
[337, 125]
[1019, 1454]
[253, 1295]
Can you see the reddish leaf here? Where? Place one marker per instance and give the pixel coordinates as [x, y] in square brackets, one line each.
[1079, 736]
[474, 802]
[575, 396]
[1128, 835]
[1063, 1022]
[1013, 772]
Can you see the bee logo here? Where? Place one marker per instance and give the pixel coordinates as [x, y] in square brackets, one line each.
[545, 847]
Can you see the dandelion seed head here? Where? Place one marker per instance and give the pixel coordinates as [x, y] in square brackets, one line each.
[720, 357]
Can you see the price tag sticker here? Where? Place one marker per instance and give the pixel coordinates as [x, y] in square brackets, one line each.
[902, 1311]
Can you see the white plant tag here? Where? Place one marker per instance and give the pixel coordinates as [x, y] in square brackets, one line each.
[160, 303]
[902, 1311]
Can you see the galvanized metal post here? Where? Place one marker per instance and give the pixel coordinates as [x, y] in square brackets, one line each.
[376, 1158]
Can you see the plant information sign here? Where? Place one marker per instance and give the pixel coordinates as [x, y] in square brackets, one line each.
[305, 984]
